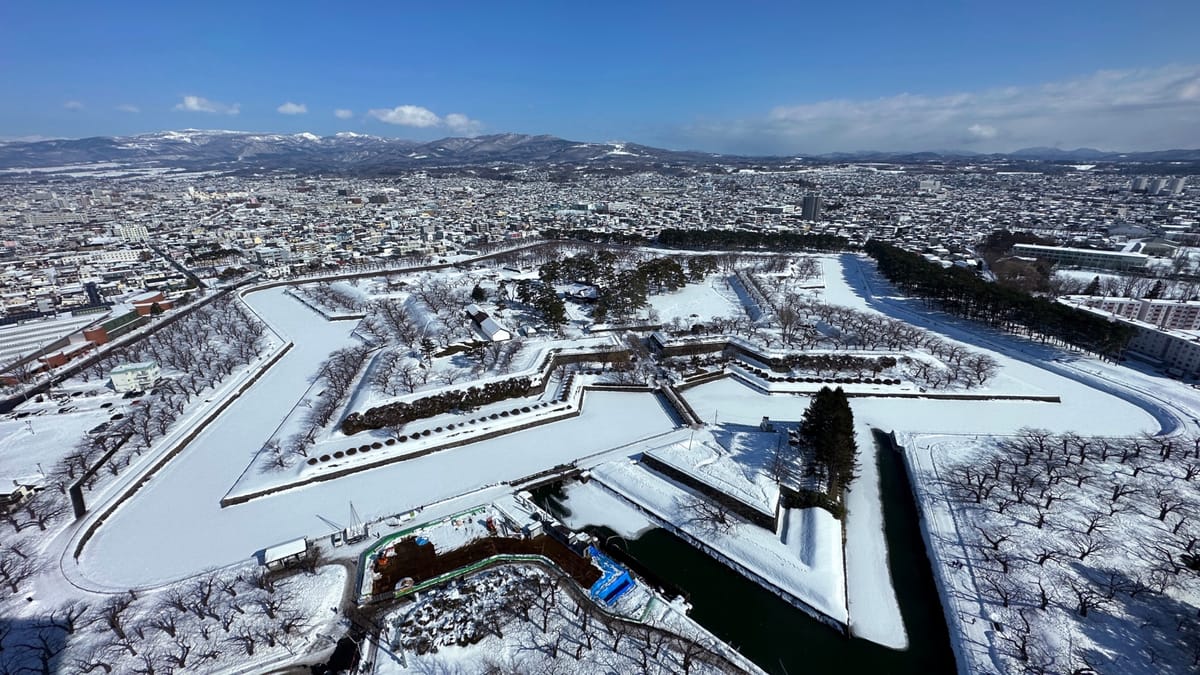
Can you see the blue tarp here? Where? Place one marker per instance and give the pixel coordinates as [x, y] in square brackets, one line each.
[614, 582]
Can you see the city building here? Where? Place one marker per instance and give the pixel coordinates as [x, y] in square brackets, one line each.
[1177, 351]
[1083, 257]
[812, 208]
[145, 303]
[130, 233]
[134, 376]
[1165, 314]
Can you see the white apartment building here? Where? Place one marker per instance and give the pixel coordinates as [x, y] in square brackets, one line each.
[54, 218]
[118, 255]
[1178, 351]
[1083, 257]
[132, 232]
[134, 376]
[1166, 314]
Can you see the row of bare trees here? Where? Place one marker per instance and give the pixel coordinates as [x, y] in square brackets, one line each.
[389, 321]
[338, 376]
[204, 345]
[197, 351]
[807, 325]
[1066, 527]
[211, 621]
[330, 297]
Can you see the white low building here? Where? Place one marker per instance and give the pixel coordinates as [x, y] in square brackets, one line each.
[134, 376]
[486, 325]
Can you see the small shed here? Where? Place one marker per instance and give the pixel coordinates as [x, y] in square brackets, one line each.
[287, 553]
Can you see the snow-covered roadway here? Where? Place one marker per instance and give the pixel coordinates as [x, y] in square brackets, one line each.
[174, 526]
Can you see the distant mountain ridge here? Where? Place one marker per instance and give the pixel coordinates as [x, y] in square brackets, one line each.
[235, 150]
[191, 148]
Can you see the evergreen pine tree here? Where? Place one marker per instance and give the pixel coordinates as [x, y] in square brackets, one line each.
[828, 426]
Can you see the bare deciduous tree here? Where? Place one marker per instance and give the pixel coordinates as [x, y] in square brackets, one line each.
[709, 514]
[15, 569]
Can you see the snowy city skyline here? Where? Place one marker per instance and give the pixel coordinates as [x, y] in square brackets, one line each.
[661, 338]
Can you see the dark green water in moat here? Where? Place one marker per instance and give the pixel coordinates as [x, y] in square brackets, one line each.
[776, 635]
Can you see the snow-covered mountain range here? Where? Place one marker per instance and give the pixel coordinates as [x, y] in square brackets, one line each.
[351, 152]
[191, 148]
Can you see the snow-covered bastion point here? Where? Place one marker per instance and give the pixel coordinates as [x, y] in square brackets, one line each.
[178, 512]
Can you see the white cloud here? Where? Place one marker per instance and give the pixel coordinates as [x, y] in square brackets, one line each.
[290, 108]
[407, 116]
[73, 105]
[1143, 109]
[461, 124]
[201, 104]
[343, 113]
[982, 131]
[423, 118]
[129, 108]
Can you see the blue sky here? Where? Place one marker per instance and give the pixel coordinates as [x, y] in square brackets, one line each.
[754, 77]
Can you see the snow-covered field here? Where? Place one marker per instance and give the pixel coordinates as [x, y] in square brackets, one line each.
[45, 438]
[233, 621]
[697, 302]
[730, 460]
[591, 504]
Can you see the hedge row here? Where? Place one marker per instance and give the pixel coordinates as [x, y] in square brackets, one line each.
[404, 438]
[820, 380]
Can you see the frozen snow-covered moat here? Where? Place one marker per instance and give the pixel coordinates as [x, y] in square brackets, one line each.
[175, 526]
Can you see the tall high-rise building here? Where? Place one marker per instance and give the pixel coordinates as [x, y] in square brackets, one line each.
[1157, 186]
[812, 207]
[93, 293]
[1140, 184]
[1177, 186]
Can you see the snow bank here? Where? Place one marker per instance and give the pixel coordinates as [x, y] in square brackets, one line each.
[592, 505]
[819, 585]
[874, 610]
